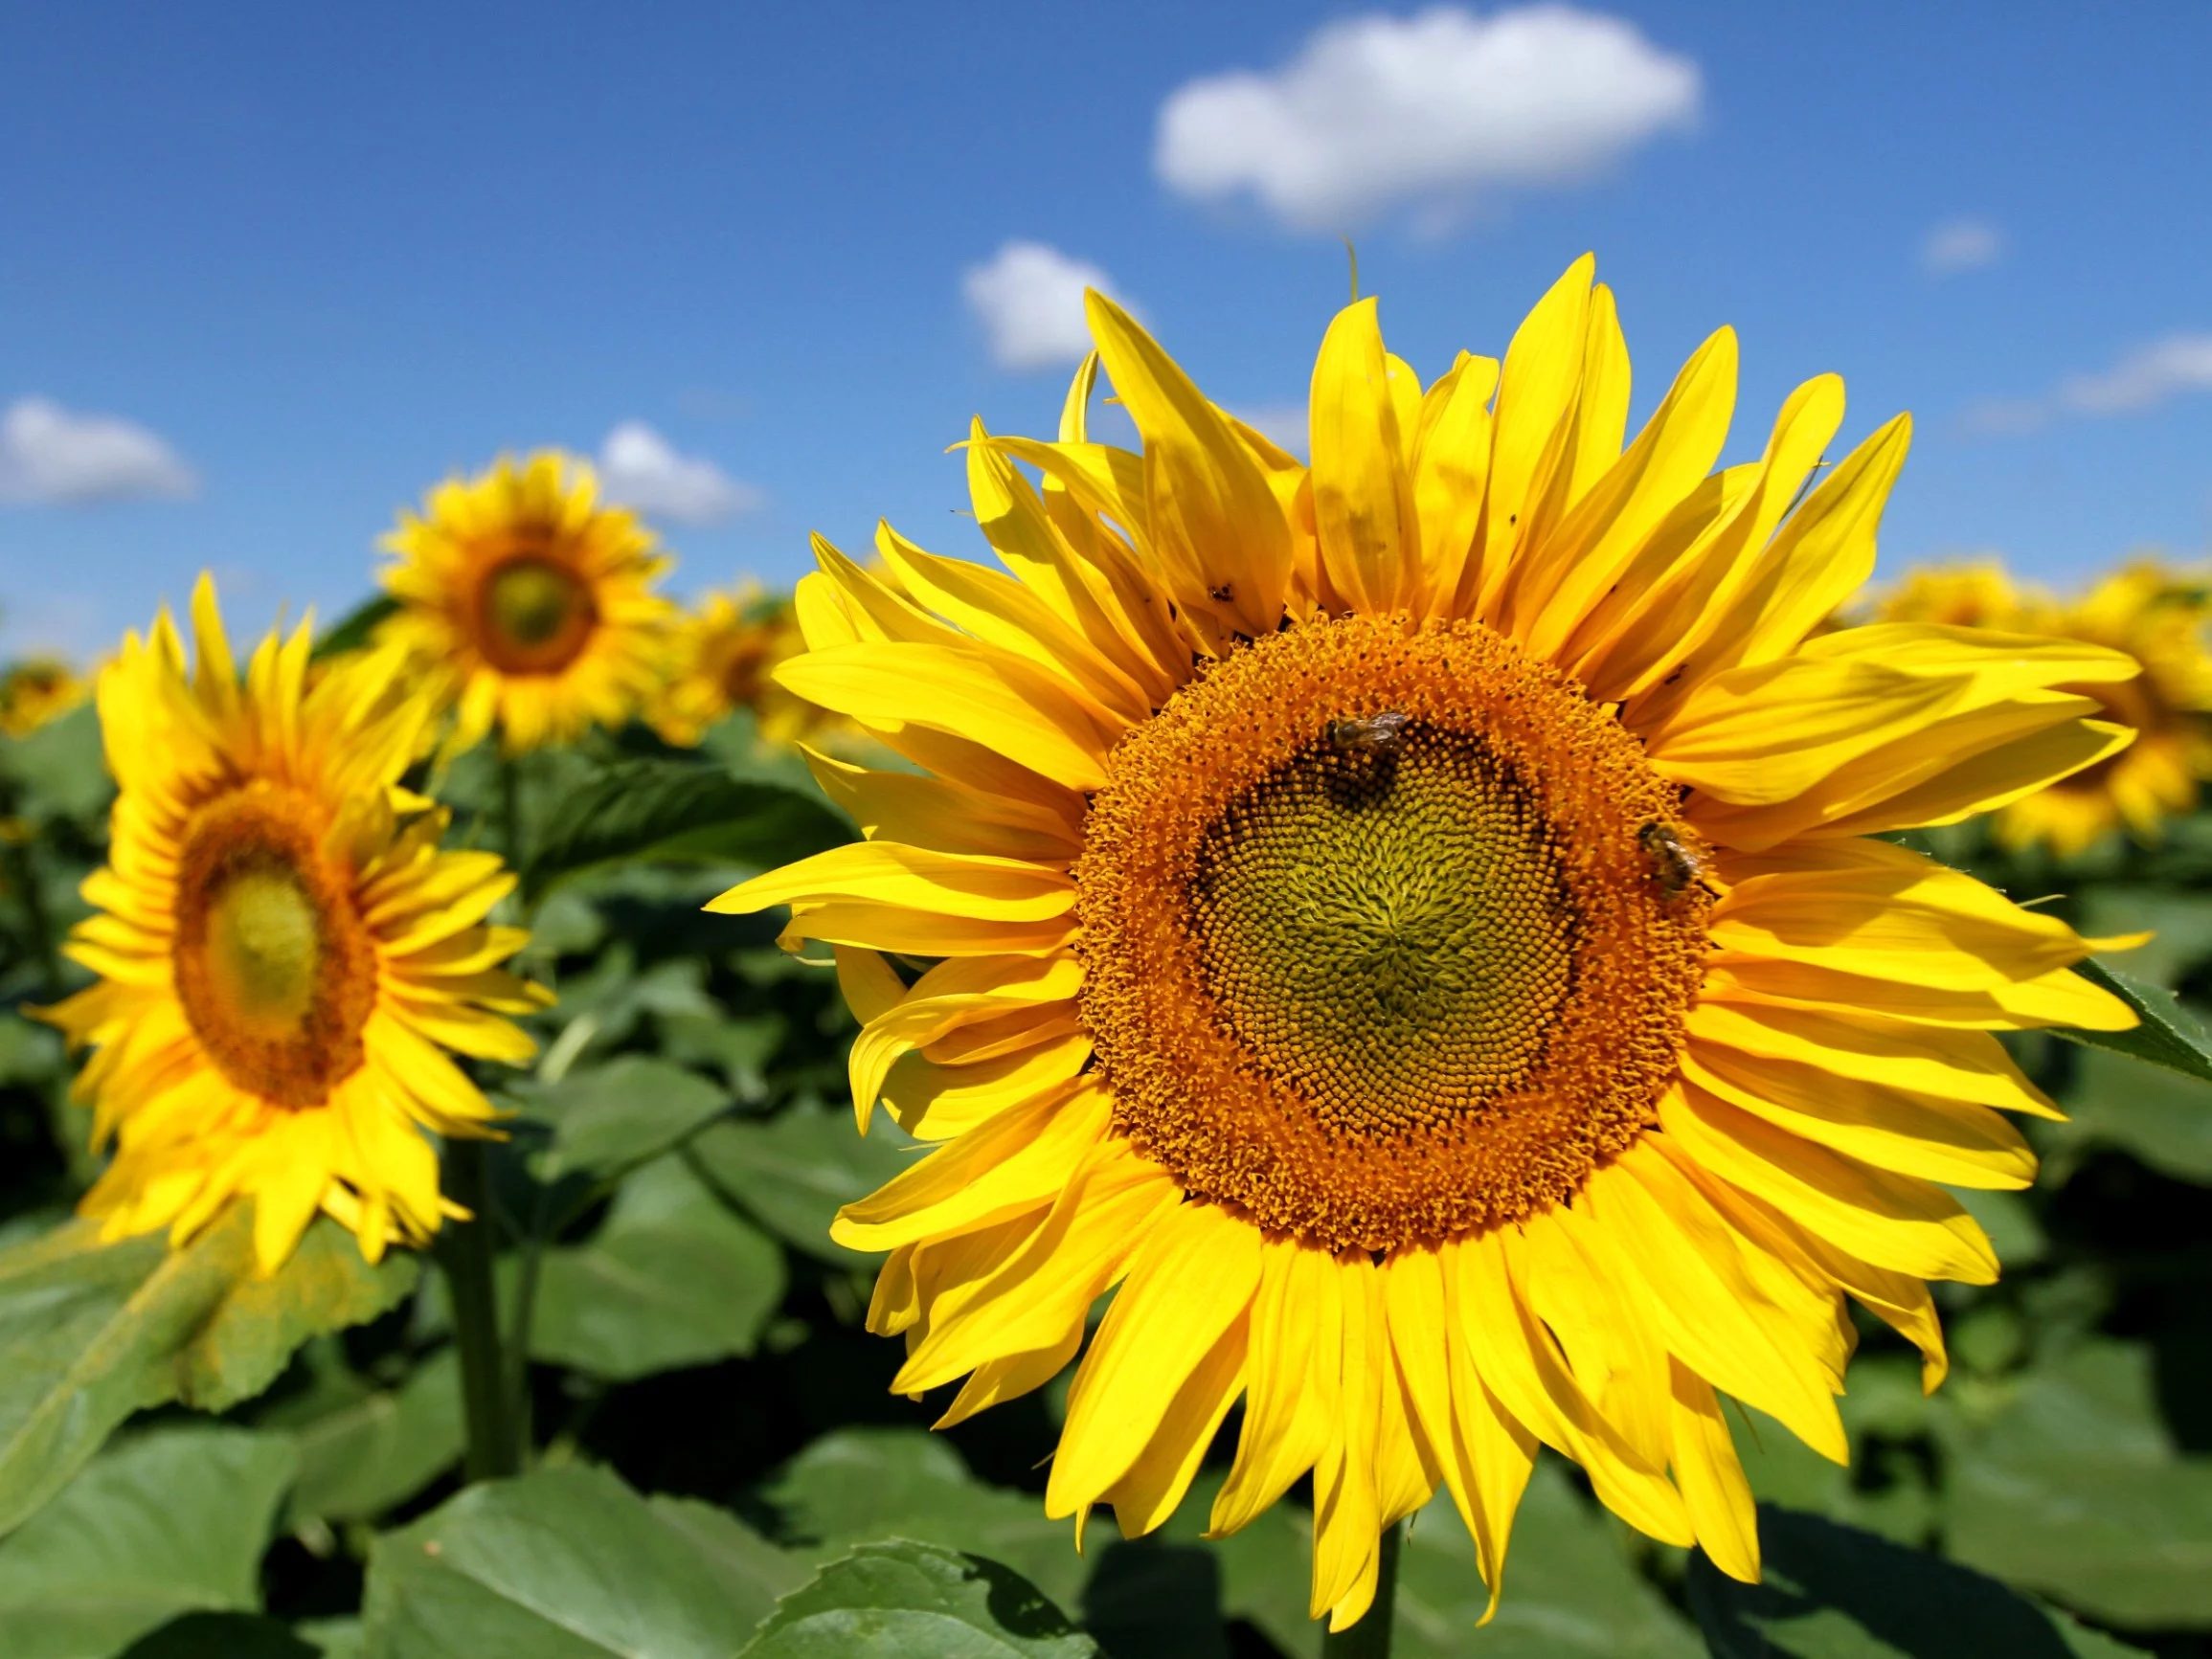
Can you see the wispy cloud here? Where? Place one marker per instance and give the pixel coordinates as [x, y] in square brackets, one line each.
[1961, 245]
[1283, 423]
[2142, 379]
[1028, 297]
[640, 468]
[1433, 111]
[49, 456]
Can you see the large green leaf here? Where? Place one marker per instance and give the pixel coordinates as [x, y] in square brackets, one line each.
[795, 1171]
[1833, 1592]
[171, 1521]
[356, 628]
[671, 1278]
[678, 811]
[2074, 1490]
[568, 1564]
[613, 1118]
[912, 1601]
[2167, 1033]
[857, 1484]
[222, 1636]
[378, 1448]
[90, 1332]
[2160, 1116]
[59, 770]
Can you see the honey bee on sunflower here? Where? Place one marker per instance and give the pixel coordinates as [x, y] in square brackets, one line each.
[529, 603]
[285, 955]
[1419, 1092]
[2155, 613]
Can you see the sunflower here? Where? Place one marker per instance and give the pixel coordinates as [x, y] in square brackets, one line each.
[528, 603]
[35, 690]
[1409, 923]
[721, 657]
[283, 952]
[2155, 615]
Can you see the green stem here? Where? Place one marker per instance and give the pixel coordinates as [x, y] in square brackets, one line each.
[493, 1450]
[1370, 1637]
[37, 926]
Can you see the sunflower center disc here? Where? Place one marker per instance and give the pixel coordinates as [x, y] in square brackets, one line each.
[1375, 947]
[536, 613]
[275, 974]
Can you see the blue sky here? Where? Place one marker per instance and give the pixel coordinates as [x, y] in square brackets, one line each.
[318, 257]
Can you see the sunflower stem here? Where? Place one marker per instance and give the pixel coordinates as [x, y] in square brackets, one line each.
[1370, 1637]
[466, 1251]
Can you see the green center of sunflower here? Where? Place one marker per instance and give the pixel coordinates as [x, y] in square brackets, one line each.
[1392, 926]
[274, 968]
[536, 612]
[1377, 945]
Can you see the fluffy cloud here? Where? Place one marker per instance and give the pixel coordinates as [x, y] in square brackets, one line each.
[1028, 297]
[1284, 422]
[51, 458]
[640, 468]
[1961, 245]
[2144, 378]
[1432, 110]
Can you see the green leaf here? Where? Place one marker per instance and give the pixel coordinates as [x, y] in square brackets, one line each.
[1832, 1592]
[380, 1448]
[1266, 1568]
[681, 812]
[1158, 1598]
[913, 1601]
[857, 1484]
[221, 1636]
[673, 1278]
[616, 1116]
[1569, 1589]
[90, 1332]
[2168, 1036]
[168, 1522]
[356, 628]
[61, 769]
[567, 1563]
[2159, 1116]
[2074, 1490]
[739, 1049]
[795, 1171]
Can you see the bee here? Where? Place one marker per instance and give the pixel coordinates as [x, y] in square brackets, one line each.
[1677, 865]
[1383, 734]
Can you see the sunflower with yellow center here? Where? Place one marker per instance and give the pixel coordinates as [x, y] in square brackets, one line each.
[1409, 923]
[2155, 615]
[284, 953]
[722, 656]
[528, 604]
[35, 690]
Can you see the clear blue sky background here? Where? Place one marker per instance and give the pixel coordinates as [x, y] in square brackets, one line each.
[331, 253]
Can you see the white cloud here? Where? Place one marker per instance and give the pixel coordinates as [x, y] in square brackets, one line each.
[2144, 378]
[1030, 299]
[1284, 422]
[1433, 110]
[640, 468]
[51, 458]
[1961, 245]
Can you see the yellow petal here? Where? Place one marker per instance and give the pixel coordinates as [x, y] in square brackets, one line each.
[1364, 511]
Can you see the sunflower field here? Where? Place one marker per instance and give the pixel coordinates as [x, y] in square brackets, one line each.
[1470, 1044]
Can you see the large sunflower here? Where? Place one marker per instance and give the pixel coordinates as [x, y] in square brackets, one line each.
[528, 604]
[2155, 615]
[1409, 921]
[283, 952]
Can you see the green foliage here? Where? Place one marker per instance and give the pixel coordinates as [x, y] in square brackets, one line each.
[913, 1601]
[614, 1118]
[794, 1172]
[363, 1449]
[674, 811]
[2167, 1036]
[171, 1521]
[356, 628]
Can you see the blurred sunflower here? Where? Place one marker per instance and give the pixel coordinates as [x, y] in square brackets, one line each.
[528, 604]
[35, 690]
[2155, 615]
[1408, 922]
[721, 655]
[284, 953]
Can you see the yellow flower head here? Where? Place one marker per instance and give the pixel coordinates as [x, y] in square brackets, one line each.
[721, 657]
[35, 690]
[528, 604]
[2157, 615]
[283, 952]
[1409, 922]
